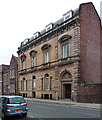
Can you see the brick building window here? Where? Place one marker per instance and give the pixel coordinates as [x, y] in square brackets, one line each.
[12, 73]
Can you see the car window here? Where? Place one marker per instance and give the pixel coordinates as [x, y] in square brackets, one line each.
[4, 100]
[16, 100]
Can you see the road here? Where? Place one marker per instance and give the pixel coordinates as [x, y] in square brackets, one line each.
[54, 110]
[40, 109]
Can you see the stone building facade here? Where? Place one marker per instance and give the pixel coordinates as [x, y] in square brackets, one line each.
[4, 79]
[9, 77]
[56, 63]
[13, 75]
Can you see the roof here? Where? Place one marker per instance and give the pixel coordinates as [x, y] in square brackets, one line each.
[10, 96]
[58, 22]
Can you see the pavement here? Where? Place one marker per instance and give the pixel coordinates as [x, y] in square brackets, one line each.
[68, 102]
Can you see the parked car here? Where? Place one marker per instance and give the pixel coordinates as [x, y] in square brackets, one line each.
[13, 105]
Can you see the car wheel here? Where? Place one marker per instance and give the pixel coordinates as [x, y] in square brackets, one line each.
[24, 115]
[3, 116]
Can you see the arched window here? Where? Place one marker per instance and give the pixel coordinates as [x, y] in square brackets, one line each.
[33, 55]
[24, 83]
[47, 81]
[65, 45]
[34, 82]
[46, 52]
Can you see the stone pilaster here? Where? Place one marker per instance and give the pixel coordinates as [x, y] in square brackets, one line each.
[76, 40]
[76, 80]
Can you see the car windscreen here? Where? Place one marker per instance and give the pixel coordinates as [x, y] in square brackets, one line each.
[16, 100]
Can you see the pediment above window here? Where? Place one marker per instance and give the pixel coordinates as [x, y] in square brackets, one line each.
[45, 46]
[33, 52]
[64, 38]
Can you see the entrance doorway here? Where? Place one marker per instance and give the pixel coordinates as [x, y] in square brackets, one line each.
[33, 94]
[67, 91]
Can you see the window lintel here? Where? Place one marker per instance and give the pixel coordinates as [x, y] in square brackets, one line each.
[33, 52]
[45, 46]
[64, 38]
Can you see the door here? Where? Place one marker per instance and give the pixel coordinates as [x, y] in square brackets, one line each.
[34, 94]
[68, 91]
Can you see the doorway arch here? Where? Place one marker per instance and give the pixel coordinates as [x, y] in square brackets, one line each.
[66, 85]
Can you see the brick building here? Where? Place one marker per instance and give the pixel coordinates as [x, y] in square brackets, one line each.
[13, 75]
[63, 60]
[9, 77]
[4, 79]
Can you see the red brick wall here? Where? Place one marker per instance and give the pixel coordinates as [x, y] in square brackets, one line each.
[89, 44]
[90, 93]
[5, 69]
[101, 55]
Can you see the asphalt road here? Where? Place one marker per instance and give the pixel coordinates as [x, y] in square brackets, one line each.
[43, 110]
[38, 109]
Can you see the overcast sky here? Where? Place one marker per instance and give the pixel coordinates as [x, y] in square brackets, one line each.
[20, 19]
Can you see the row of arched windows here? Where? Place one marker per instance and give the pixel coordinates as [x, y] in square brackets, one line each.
[46, 83]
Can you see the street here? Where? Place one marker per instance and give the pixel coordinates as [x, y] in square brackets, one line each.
[41, 109]
[55, 110]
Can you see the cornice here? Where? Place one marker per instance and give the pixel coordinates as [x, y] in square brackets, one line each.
[56, 31]
[49, 65]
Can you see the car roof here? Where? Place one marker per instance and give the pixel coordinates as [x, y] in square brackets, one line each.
[12, 96]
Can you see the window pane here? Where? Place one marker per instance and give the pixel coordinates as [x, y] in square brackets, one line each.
[34, 84]
[13, 74]
[65, 50]
[16, 100]
[10, 74]
[23, 64]
[24, 84]
[47, 83]
[46, 57]
[34, 61]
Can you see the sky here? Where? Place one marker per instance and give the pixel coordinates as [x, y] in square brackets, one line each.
[20, 19]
